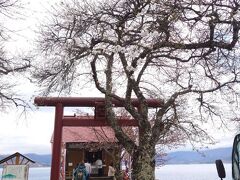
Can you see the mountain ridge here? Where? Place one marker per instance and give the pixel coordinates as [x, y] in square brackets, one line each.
[197, 157]
[177, 157]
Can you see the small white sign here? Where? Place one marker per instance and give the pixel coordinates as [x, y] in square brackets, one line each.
[70, 164]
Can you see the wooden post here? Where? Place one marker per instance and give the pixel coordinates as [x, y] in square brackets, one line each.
[57, 141]
[17, 159]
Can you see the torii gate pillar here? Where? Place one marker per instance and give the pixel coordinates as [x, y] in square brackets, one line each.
[57, 140]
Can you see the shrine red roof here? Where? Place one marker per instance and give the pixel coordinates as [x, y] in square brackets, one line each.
[88, 134]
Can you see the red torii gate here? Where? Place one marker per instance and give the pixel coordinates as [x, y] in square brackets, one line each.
[97, 120]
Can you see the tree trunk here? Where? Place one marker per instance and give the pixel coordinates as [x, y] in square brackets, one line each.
[144, 163]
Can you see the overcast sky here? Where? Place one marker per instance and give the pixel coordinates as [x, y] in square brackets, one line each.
[32, 133]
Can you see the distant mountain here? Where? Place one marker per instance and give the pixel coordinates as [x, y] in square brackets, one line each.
[193, 157]
[178, 157]
[42, 159]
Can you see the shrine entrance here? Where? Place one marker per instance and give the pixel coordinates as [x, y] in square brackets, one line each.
[98, 120]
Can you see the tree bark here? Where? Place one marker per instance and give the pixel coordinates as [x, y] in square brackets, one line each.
[144, 163]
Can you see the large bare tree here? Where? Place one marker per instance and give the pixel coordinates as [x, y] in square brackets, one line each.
[10, 64]
[185, 53]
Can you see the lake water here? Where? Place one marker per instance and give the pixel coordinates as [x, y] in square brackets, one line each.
[191, 172]
[167, 172]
